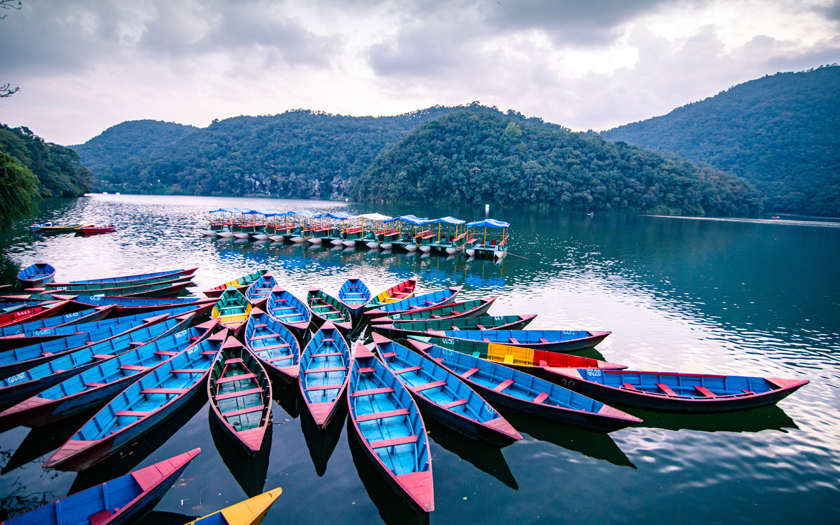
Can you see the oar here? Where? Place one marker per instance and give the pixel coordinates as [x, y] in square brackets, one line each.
[517, 256]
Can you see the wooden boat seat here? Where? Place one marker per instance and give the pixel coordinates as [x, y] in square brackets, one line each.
[328, 369]
[94, 385]
[543, 362]
[324, 387]
[476, 354]
[284, 308]
[208, 352]
[477, 326]
[453, 404]
[668, 391]
[256, 326]
[164, 390]
[501, 387]
[509, 359]
[166, 352]
[469, 372]
[233, 361]
[400, 295]
[187, 370]
[543, 340]
[407, 370]
[271, 347]
[137, 368]
[382, 415]
[230, 379]
[131, 413]
[429, 386]
[366, 370]
[102, 356]
[388, 355]
[100, 517]
[373, 391]
[705, 391]
[289, 315]
[278, 358]
[240, 393]
[748, 392]
[513, 340]
[438, 360]
[486, 340]
[264, 336]
[628, 386]
[241, 411]
[328, 354]
[541, 397]
[393, 442]
[327, 340]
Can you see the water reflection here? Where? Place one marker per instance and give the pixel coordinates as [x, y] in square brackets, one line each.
[286, 395]
[43, 440]
[250, 472]
[157, 517]
[756, 420]
[322, 443]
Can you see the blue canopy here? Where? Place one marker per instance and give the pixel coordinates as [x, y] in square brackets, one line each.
[226, 210]
[304, 213]
[492, 223]
[449, 220]
[418, 221]
[271, 212]
[340, 215]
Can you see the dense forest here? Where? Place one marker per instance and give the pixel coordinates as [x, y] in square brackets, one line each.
[780, 132]
[490, 157]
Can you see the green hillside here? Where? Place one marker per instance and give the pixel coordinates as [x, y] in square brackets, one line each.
[780, 132]
[489, 157]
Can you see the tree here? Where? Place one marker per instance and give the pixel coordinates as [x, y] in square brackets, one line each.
[6, 90]
[18, 190]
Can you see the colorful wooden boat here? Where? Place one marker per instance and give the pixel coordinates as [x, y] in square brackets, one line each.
[293, 313]
[324, 371]
[140, 408]
[33, 313]
[273, 344]
[539, 363]
[503, 386]
[240, 395]
[232, 310]
[49, 227]
[121, 288]
[398, 292]
[257, 293]
[484, 244]
[36, 275]
[119, 282]
[548, 340]
[355, 295]
[391, 429]
[428, 300]
[121, 501]
[679, 392]
[249, 512]
[139, 305]
[325, 308]
[444, 396]
[25, 384]
[446, 240]
[98, 385]
[240, 283]
[43, 330]
[397, 331]
[96, 230]
[136, 278]
[472, 308]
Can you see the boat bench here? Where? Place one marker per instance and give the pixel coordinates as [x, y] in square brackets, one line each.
[230, 379]
[136, 368]
[504, 385]
[130, 413]
[234, 361]
[382, 415]
[429, 386]
[328, 369]
[469, 372]
[187, 370]
[453, 404]
[164, 391]
[94, 385]
[241, 411]
[407, 370]
[240, 393]
[393, 442]
[265, 336]
[328, 354]
[278, 358]
[366, 370]
[324, 387]
[373, 391]
[271, 347]
[166, 352]
[541, 397]
[543, 340]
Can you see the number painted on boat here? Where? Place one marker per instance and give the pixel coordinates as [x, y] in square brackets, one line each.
[447, 352]
[497, 317]
[396, 316]
[181, 334]
[48, 331]
[100, 296]
[593, 373]
[448, 341]
[73, 315]
[489, 409]
[14, 379]
[566, 382]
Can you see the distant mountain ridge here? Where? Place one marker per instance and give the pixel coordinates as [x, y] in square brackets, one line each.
[780, 132]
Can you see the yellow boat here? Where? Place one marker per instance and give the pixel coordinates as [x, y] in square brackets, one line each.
[248, 512]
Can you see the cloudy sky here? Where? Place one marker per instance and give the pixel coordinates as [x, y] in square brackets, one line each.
[85, 65]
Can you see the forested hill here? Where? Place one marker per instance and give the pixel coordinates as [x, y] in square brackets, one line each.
[295, 154]
[780, 132]
[58, 169]
[490, 157]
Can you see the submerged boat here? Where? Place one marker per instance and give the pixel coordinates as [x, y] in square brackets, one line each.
[240, 396]
[240, 283]
[324, 371]
[121, 501]
[473, 308]
[503, 386]
[680, 392]
[36, 275]
[418, 302]
[355, 295]
[398, 292]
[396, 331]
[391, 429]
[273, 344]
[232, 310]
[293, 313]
[325, 308]
[548, 340]
[249, 512]
[445, 397]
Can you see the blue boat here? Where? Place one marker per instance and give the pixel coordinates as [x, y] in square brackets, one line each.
[274, 345]
[548, 340]
[35, 275]
[137, 305]
[25, 384]
[503, 386]
[444, 396]
[140, 408]
[121, 501]
[96, 386]
[391, 429]
[291, 311]
[47, 329]
[324, 370]
[257, 293]
[416, 303]
[139, 277]
[355, 294]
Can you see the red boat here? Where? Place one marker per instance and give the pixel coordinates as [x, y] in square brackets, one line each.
[94, 230]
[32, 314]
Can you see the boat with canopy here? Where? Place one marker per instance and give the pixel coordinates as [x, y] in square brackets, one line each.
[371, 231]
[488, 244]
[447, 240]
[303, 220]
[221, 221]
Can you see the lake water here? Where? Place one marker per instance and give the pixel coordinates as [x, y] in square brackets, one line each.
[741, 297]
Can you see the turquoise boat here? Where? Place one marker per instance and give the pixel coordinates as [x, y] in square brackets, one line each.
[415, 303]
[324, 370]
[274, 345]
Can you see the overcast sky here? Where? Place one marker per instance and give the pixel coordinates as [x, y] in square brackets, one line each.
[85, 65]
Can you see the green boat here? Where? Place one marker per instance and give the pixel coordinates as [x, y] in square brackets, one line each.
[232, 310]
[83, 287]
[240, 283]
[325, 308]
[473, 308]
[397, 331]
[164, 289]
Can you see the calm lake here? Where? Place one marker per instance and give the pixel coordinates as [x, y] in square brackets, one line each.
[740, 297]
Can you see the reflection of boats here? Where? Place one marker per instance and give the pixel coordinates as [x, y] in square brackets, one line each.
[36, 275]
[322, 442]
[249, 472]
[756, 420]
[248, 512]
[324, 371]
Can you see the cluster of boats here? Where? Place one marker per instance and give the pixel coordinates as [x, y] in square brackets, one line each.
[138, 360]
[78, 229]
[447, 235]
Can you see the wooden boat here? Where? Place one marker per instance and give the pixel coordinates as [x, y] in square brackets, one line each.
[240, 395]
[140, 408]
[121, 288]
[428, 300]
[355, 295]
[139, 305]
[34, 313]
[324, 371]
[36, 275]
[49, 227]
[398, 292]
[220, 223]
[373, 229]
[293, 313]
[95, 230]
[43, 330]
[503, 386]
[407, 238]
[679, 392]
[446, 240]
[232, 310]
[539, 363]
[130, 280]
[273, 344]
[23, 385]
[98, 385]
[121, 501]
[166, 289]
[391, 429]
[472, 308]
[487, 245]
[258, 291]
[444, 396]
[396, 331]
[241, 284]
[325, 308]
[303, 231]
[249, 512]
[548, 340]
